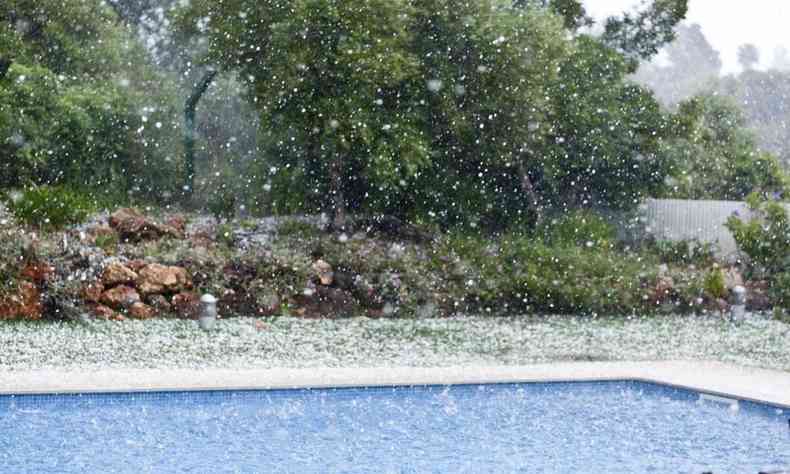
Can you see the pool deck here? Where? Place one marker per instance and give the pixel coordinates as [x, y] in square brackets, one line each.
[745, 383]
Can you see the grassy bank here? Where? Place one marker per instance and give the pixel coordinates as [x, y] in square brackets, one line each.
[360, 342]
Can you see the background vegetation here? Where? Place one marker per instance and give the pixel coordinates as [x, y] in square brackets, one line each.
[519, 119]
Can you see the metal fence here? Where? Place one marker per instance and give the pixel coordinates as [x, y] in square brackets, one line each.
[704, 221]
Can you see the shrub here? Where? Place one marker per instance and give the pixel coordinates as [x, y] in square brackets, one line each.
[50, 207]
[683, 252]
[780, 290]
[520, 273]
[715, 287]
[107, 242]
[83, 134]
[225, 235]
[765, 239]
[582, 228]
[222, 204]
[10, 259]
[297, 228]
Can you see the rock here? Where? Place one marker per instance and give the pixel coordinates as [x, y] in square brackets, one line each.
[663, 290]
[324, 302]
[177, 222]
[336, 296]
[37, 272]
[97, 231]
[732, 278]
[345, 280]
[141, 311]
[121, 296]
[104, 312]
[92, 292]
[324, 272]
[159, 279]
[118, 274]
[757, 298]
[24, 303]
[721, 305]
[759, 302]
[159, 303]
[187, 304]
[270, 306]
[136, 265]
[248, 301]
[134, 227]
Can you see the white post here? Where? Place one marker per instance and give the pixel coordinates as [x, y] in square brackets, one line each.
[739, 308]
[208, 312]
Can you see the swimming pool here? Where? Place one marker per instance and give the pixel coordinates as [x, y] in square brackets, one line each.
[600, 427]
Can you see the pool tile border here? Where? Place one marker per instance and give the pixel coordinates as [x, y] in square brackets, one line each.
[715, 378]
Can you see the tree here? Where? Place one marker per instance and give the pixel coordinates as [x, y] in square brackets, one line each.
[764, 97]
[640, 35]
[327, 80]
[691, 66]
[458, 112]
[572, 12]
[748, 56]
[606, 147]
[381, 90]
[716, 156]
[68, 111]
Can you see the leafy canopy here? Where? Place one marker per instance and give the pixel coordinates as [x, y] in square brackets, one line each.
[454, 111]
[716, 156]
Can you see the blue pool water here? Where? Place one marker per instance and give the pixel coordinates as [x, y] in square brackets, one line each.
[608, 427]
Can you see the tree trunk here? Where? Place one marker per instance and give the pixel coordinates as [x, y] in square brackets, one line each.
[528, 188]
[5, 65]
[189, 131]
[339, 211]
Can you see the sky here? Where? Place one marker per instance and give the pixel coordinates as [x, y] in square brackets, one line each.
[726, 23]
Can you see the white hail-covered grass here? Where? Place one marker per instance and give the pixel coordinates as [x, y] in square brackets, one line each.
[360, 342]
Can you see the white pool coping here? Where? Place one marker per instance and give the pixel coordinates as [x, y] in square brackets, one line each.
[745, 383]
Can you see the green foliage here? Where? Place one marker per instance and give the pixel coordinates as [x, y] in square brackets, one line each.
[486, 142]
[765, 237]
[222, 204]
[225, 235]
[714, 285]
[64, 36]
[10, 259]
[418, 108]
[572, 11]
[683, 252]
[436, 126]
[69, 112]
[297, 228]
[521, 274]
[780, 290]
[107, 242]
[715, 156]
[50, 208]
[580, 228]
[605, 148]
[641, 34]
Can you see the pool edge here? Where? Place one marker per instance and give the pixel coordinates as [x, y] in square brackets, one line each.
[715, 378]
